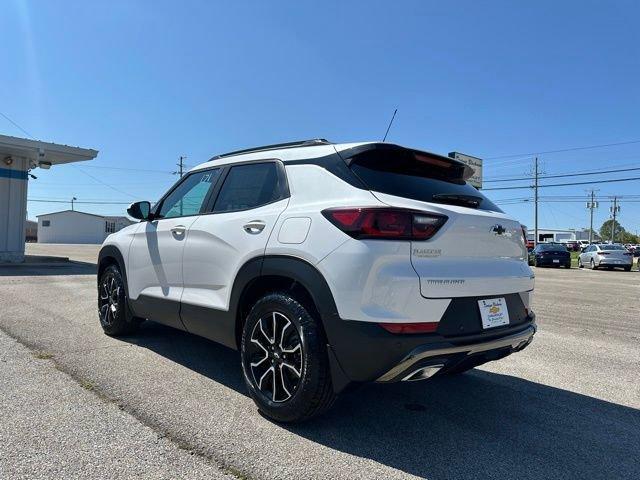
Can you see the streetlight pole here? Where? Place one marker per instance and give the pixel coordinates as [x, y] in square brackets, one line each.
[72, 200]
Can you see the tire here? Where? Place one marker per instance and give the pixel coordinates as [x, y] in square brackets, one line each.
[113, 309]
[580, 265]
[287, 373]
[593, 265]
[627, 269]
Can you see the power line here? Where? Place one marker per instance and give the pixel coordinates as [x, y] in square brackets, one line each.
[575, 174]
[572, 149]
[103, 183]
[17, 126]
[565, 184]
[167, 172]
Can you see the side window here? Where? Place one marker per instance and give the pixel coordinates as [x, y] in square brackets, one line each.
[188, 197]
[249, 186]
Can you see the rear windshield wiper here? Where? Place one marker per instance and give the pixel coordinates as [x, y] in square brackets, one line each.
[458, 199]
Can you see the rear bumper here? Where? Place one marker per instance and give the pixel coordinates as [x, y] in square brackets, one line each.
[612, 263]
[550, 261]
[449, 356]
[366, 352]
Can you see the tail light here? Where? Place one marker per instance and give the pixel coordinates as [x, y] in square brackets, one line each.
[628, 253]
[422, 327]
[385, 223]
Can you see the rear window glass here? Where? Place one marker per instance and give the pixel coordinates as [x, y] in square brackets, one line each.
[612, 247]
[552, 247]
[403, 174]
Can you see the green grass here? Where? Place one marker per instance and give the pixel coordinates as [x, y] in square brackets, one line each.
[574, 259]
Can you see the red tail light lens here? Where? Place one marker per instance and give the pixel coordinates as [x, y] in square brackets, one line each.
[423, 327]
[385, 223]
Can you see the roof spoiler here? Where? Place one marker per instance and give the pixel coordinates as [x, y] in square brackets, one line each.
[460, 170]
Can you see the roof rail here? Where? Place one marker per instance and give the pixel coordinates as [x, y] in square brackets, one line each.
[276, 146]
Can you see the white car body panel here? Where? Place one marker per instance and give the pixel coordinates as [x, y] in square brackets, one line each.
[309, 185]
[154, 267]
[216, 248]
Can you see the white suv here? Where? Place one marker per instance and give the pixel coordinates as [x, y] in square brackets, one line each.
[325, 265]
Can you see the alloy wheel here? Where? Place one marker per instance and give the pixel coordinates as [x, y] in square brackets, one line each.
[109, 298]
[276, 357]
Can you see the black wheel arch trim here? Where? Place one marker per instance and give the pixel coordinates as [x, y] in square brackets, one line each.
[112, 252]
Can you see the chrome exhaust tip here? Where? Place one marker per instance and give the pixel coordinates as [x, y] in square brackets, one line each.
[423, 373]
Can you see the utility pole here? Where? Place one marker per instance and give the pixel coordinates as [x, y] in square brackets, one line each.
[591, 206]
[614, 210]
[535, 199]
[180, 165]
[73, 199]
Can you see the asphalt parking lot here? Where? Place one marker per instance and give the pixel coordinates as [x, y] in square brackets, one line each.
[76, 403]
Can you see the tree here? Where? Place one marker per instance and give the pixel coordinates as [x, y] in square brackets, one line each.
[627, 237]
[605, 230]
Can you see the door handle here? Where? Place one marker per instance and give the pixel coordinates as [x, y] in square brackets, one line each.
[254, 227]
[179, 229]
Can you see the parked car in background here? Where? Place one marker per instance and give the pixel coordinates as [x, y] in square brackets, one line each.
[573, 245]
[583, 244]
[608, 255]
[550, 254]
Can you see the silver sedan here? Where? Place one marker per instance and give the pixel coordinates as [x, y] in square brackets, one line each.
[606, 255]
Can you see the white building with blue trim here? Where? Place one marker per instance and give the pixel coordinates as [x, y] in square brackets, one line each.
[17, 157]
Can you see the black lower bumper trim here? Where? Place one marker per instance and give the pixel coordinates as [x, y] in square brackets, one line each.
[450, 355]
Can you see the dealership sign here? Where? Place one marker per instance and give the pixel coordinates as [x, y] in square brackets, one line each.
[473, 162]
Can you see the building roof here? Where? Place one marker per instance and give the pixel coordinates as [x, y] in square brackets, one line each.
[38, 152]
[104, 217]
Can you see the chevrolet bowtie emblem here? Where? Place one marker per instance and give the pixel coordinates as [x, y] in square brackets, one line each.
[498, 229]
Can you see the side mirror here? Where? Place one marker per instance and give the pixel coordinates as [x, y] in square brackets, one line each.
[140, 210]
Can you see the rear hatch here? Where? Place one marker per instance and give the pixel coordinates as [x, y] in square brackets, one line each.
[479, 251]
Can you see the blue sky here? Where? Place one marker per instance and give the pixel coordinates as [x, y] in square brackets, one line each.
[146, 82]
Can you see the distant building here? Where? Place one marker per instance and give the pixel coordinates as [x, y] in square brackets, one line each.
[71, 226]
[551, 235]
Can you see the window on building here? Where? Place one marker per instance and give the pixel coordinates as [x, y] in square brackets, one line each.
[46, 223]
[110, 227]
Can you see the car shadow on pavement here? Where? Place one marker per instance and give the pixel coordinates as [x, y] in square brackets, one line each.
[53, 269]
[476, 425]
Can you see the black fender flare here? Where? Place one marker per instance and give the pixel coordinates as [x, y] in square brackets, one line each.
[112, 252]
[314, 282]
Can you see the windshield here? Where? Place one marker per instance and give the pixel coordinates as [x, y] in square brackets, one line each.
[552, 247]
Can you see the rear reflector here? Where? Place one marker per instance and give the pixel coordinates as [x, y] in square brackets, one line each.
[385, 223]
[424, 327]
